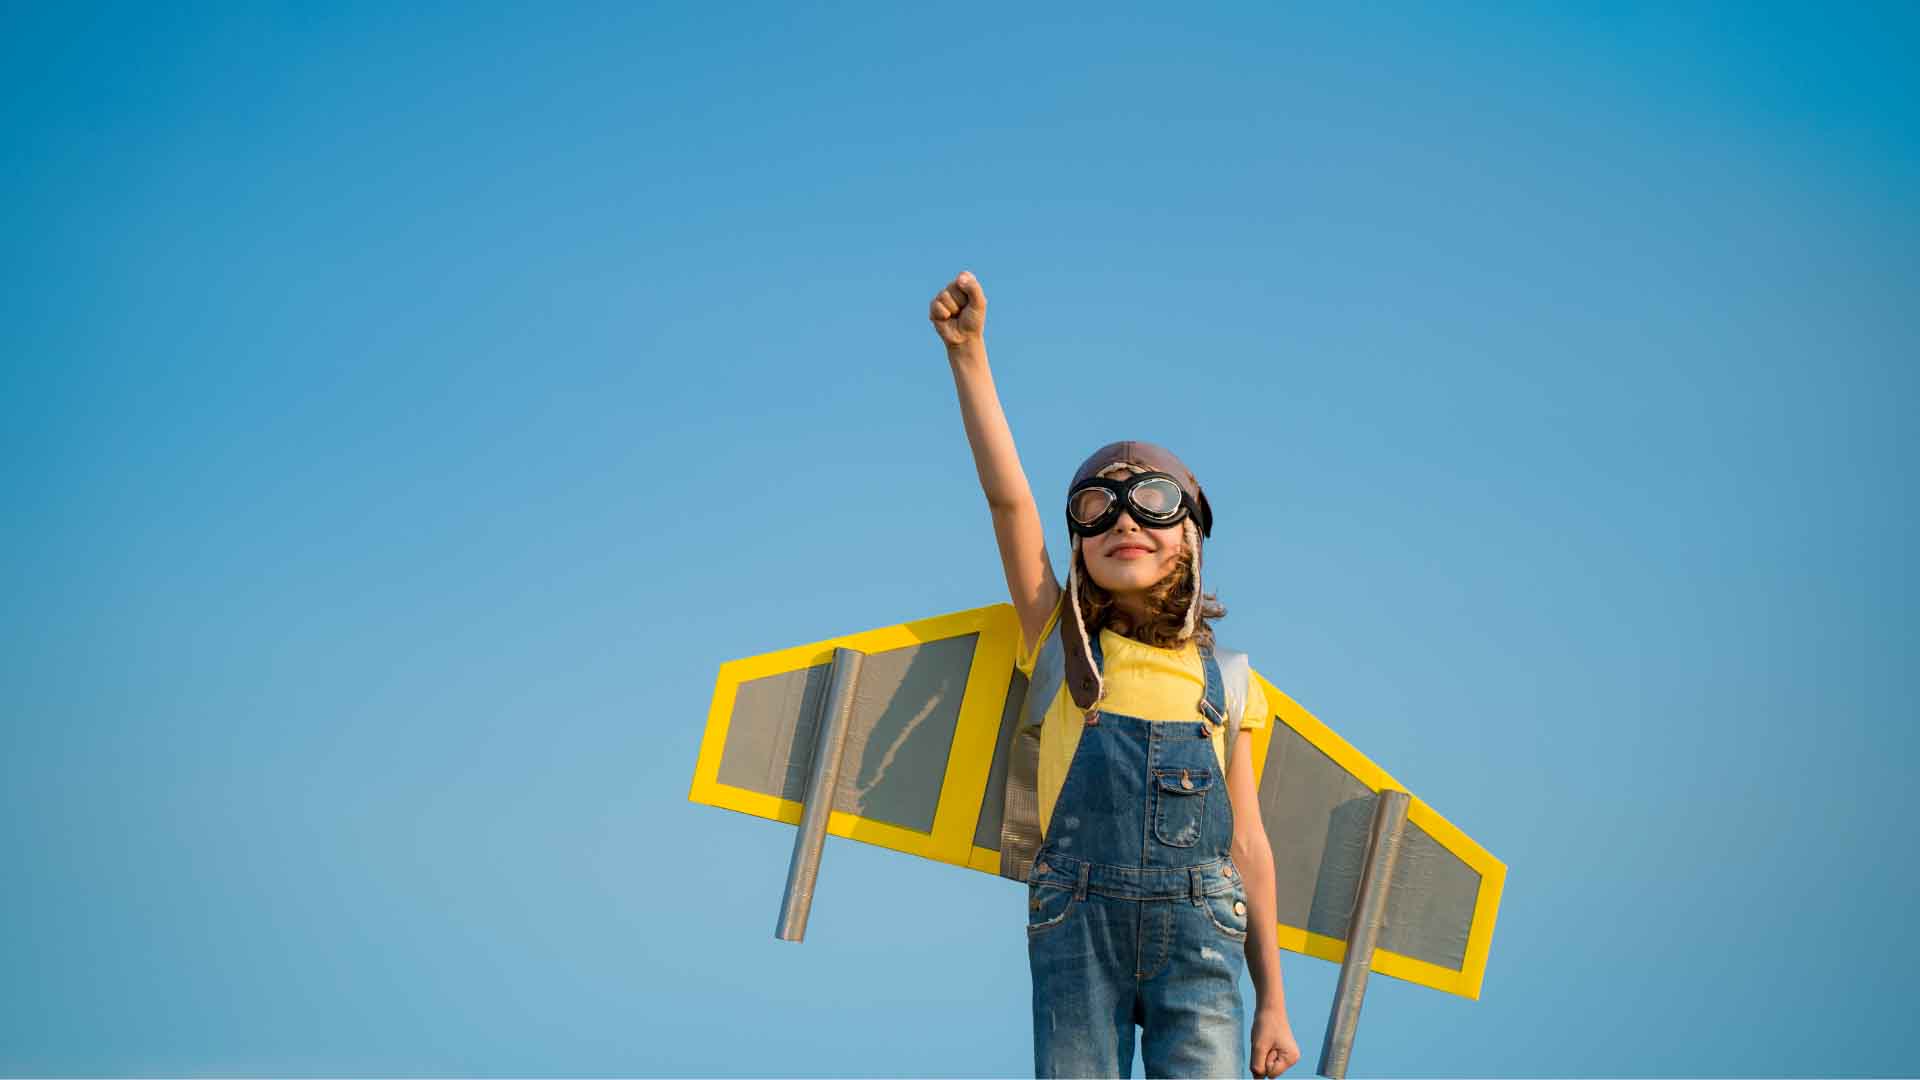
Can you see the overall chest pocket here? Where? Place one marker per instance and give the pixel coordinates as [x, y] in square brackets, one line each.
[1180, 805]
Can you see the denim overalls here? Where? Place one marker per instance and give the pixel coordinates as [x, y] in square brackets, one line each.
[1135, 912]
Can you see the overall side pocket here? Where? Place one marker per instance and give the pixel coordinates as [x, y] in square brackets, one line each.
[1047, 907]
[1228, 912]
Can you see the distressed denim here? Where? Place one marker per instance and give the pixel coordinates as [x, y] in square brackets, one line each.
[1136, 915]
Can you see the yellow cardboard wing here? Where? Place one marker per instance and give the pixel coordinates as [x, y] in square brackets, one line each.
[934, 712]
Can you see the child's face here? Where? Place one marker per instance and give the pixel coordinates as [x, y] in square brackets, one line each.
[1128, 559]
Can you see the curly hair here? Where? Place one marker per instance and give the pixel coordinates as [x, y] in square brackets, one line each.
[1168, 601]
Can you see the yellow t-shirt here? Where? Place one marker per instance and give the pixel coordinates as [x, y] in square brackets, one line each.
[1141, 680]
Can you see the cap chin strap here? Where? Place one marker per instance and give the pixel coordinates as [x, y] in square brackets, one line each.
[1084, 681]
[1192, 536]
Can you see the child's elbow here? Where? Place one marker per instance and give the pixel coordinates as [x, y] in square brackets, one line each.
[1250, 848]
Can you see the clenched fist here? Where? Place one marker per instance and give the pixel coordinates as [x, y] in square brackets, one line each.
[959, 312]
[1273, 1051]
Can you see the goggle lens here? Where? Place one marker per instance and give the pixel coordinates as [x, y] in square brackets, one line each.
[1155, 498]
[1089, 503]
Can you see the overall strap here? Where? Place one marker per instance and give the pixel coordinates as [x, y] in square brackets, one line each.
[1082, 670]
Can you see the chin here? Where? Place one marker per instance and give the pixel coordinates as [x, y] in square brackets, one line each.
[1124, 581]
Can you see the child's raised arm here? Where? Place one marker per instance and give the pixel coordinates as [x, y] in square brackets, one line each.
[959, 316]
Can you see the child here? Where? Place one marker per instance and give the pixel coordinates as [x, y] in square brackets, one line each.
[1149, 880]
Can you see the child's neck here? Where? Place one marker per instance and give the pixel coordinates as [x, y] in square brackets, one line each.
[1134, 611]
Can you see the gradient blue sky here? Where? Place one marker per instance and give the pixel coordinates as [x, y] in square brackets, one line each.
[406, 413]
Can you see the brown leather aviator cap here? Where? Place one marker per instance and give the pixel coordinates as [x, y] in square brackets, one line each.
[1154, 459]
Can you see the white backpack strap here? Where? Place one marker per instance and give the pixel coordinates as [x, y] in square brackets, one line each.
[1020, 810]
[1236, 674]
[1049, 671]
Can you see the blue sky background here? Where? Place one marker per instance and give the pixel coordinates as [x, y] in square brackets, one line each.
[406, 413]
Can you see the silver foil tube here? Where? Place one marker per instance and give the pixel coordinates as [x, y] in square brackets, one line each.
[823, 779]
[1363, 930]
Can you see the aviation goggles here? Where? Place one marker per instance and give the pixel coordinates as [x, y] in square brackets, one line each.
[1153, 499]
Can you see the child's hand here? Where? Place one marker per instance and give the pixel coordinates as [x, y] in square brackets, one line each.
[959, 312]
[1274, 1050]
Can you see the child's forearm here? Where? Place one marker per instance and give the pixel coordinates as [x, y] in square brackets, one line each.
[994, 456]
[1263, 956]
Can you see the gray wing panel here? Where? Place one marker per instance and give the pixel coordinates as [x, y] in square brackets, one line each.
[1317, 817]
[1430, 907]
[905, 710]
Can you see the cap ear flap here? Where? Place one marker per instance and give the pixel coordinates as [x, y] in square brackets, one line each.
[1205, 513]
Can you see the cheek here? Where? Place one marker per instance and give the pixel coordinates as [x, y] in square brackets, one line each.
[1173, 548]
[1103, 571]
